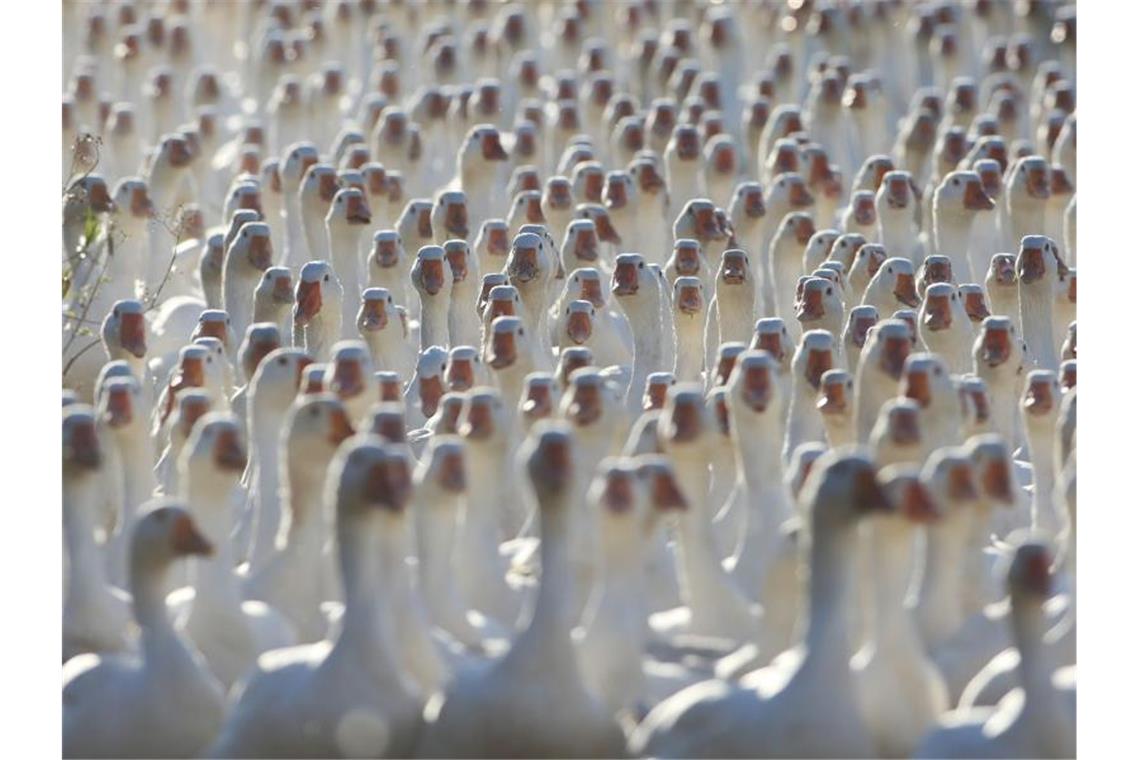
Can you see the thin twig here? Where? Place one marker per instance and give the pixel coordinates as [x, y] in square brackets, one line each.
[81, 352]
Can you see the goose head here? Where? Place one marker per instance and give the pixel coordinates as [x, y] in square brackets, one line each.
[618, 191]
[998, 345]
[461, 369]
[387, 420]
[587, 403]
[686, 259]
[973, 298]
[299, 157]
[261, 339]
[578, 322]
[442, 472]
[548, 455]
[314, 427]
[387, 250]
[800, 466]
[251, 250]
[949, 475]
[1038, 262]
[872, 173]
[82, 453]
[449, 215]
[897, 433]
[373, 316]
[431, 274]
[860, 320]
[845, 248]
[888, 347]
[483, 419]
[529, 264]
[214, 323]
[414, 223]
[502, 301]
[841, 489]
[557, 197]
[941, 306]
[1001, 277]
[391, 386]
[274, 293]
[697, 221]
[351, 374]
[120, 406]
[734, 270]
[647, 179]
[1040, 401]
[214, 456]
[368, 480]
[164, 533]
[926, 380]
[753, 386]
[747, 204]
[318, 291]
[580, 247]
[90, 192]
[123, 331]
[278, 376]
[688, 298]
[632, 279]
[508, 343]
[318, 188]
[868, 259]
[814, 356]
[894, 284]
[960, 196]
[684, 146]
[684, 427]
[493, 240]
[896, 193]
[481, 150]
[1028, 181]
[836, 396]
[863, 211]
[819, 302]
[1067, 375]
[132, 205]
[771, 335]
[245, 193]
[526, 208]
[991, 458]
[349, 208]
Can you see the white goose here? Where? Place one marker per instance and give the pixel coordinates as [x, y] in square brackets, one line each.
[345, 224]
[777, 710]
[538, 682]
[317, 312]
[162, 700]
[366, 706]
[1038, 270]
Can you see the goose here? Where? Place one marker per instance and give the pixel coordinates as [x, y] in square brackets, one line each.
[860, 320]
[722, 167]
[698, 221]
[637, 291]
[820, 306]
[423, 391]
[261, 339]
[383, 334]
[162, 700]
[501, 300]
[388, 265]
[1065, 303]
[956, 202]
[683, 165]
[299, 157]
[317, 189]
[689, 310]
[1037, 718]
[926, 380]
[526, 208]
[914, 143]
[1002, 285]
[96, 616]
[1039, 269]
[270, 393]
[273, 298]
[610, 340]
[169, 170]
[192, 404]
[945, 327]
[896, 437]
[228, 632]
[900, 690]
[631, 496]
[734, 296]
[818, 249]
[372, 709]
[247, 258]
[345, 223]
[478, 173]
[687, 260]
[1040, 402]
[716, 607]
[861, 216]
[351, 378]
[892, 287]
[414, 225]
[583, 726]
[462, 329]
[619, 196]
[530, 268]
[863, 101]
[1026, 198]
[785, 263]
[759, 556]
[198, 365]
[756, 716]
[868, 258]
[895, 204]
[814, 355]
[317, 309]
[836, 386]
[973, 298]
[119, 406]
[784, 121]
[651, 201]
[492, 245]
[557, 206]
[999, 362]
[878, 371]
[123, 335]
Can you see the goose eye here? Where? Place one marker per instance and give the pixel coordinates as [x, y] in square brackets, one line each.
[890, 271]
[938, 371]
[641, 265]
[522, 331]
[389, 299]
[314, 412]
[326, 278]
[567, 309]
[829, 291]
[281, 360]
[955, 183]
[115, 313]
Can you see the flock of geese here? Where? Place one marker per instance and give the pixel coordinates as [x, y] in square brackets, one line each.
[664, 378]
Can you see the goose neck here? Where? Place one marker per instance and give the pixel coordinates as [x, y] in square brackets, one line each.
[940, 588]
[555, 609]
[363, 544]
[86, 577]
[829, 579]
[892, 558]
